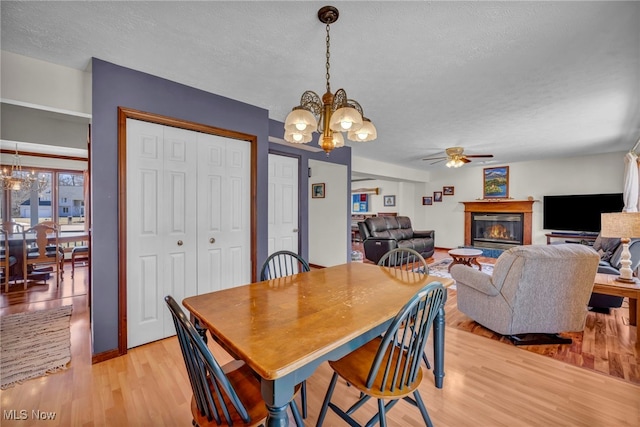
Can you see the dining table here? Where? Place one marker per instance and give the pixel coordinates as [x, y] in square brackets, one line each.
[286, 327]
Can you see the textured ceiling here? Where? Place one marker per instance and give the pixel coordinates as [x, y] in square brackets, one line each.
[520, 80]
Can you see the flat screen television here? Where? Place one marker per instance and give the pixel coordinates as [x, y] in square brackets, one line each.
[579, 212]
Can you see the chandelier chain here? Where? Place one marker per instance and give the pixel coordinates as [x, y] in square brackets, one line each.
[328, 40]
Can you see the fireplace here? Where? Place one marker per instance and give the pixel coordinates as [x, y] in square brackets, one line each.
[496, 230]
[499, 224]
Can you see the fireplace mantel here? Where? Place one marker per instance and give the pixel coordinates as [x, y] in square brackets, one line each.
[503, 206]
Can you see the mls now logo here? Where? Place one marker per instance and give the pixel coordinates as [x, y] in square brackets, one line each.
[23, 414]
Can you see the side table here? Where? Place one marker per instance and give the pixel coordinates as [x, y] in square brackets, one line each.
[608, 285]
[465, 256]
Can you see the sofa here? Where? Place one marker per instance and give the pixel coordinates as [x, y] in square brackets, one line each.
[534, 289]
[610, 251]
[381, 234]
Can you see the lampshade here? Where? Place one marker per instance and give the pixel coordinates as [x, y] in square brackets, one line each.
[620, 224]
[301, 120]
[338, 140]
[345, 119]
[367, 132]
[296, 137]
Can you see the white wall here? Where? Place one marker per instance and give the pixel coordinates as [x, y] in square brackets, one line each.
[32, 81]
[577, 175]
[327, 216]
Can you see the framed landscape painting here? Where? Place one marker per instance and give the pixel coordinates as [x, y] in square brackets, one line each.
[495, 183]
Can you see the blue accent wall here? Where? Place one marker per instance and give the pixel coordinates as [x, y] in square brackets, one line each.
[115, 86]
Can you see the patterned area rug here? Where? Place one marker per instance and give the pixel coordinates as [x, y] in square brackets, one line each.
[441, 268]
[34, 344]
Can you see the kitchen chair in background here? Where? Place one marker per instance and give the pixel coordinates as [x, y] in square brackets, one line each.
[281, 264]
[405, 259]
[44, 253]
[227, 394]
[78, 254]
[388, 367]
[12, 236]
[50, 247]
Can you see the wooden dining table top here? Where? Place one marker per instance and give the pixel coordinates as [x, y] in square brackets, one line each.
[280, 325]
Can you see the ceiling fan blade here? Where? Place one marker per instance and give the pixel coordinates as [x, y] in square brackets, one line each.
[477, 156]
[438, 161]
[465, 160]
[435, 158]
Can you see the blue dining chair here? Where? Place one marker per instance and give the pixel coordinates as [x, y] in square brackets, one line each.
[230, 393]
[388, 367]
[408, 261]
[281, 264]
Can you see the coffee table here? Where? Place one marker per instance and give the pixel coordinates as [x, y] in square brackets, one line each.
[608, 285]
[465, 256]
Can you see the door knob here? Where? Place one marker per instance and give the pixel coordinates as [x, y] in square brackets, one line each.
[212, 240]
[179, 242]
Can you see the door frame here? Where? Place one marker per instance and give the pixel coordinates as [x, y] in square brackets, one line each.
[128, 113]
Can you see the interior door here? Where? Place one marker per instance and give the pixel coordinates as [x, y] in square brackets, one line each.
[283, 203]
[161, 230]
[223, 206]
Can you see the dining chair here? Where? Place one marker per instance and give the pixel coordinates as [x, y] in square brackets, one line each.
[45, 253]
[388, 367]
[409, 262]
[12, 244]
[229, 393]
[6, 260]
[51, 247]
[405, 259]
[281, 264]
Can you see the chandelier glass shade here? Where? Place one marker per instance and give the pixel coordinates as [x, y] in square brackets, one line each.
[18, 180]
[330, 115]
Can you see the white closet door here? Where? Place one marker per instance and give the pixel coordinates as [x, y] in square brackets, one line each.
[283, 203]
[160, 217]
[224, 202]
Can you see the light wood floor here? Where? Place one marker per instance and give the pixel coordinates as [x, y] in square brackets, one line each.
[487, 383]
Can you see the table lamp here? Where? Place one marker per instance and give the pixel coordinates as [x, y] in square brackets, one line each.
[623, 225]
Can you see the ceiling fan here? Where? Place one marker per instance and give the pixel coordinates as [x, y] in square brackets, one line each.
[455, 157]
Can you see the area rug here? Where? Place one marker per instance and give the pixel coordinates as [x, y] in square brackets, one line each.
[34, 344]
[441, 269]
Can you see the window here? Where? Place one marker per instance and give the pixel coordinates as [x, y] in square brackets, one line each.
[62, 202]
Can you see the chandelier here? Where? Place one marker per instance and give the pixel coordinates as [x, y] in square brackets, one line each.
[17, 179]
[331, 115]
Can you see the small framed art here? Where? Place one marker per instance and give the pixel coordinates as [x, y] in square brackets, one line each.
[389, 200]
[437, 196]
[317, 191]
[427, 200]
[495, 183]
[447, 190]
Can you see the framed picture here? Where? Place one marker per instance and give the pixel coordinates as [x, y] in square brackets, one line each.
[389, 200]
[447, 190]
[317, 191]
[437, 196]
[495, 183]
[427, 200]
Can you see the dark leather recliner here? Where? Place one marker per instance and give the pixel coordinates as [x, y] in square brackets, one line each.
[610, 251]
[382, 234]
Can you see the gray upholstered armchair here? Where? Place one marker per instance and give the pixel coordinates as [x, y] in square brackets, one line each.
[536, 289]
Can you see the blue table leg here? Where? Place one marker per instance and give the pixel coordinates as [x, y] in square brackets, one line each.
[438, 347]
[277, 395]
